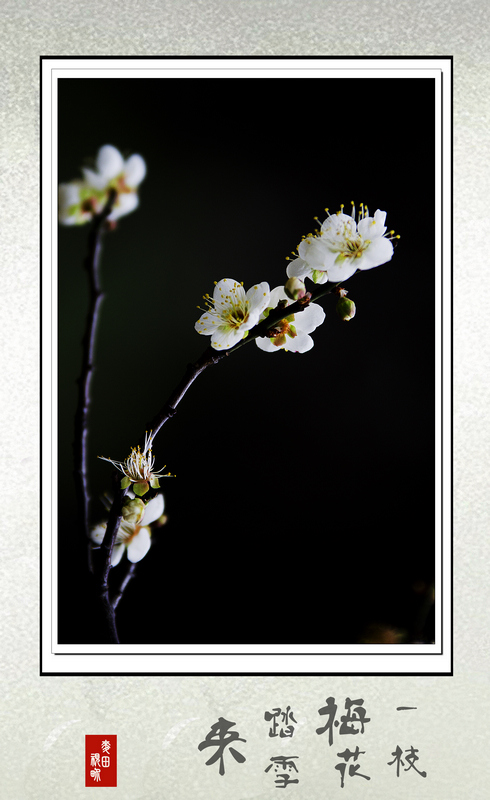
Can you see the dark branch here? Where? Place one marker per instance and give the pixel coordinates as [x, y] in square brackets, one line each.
[129, 574]
[91, 265]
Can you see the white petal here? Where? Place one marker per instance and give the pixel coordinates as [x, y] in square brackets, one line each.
[372, 227]
[117, 554]
[69, 193]
[126, 530]
[125, 203]
[139, 546]
[225, 287]
[298, 268]
[258, 297]
[309, 319]
[276, 295]
[313, 251]
[68, 219]
[380, 218]
[207, 323]
[94, 180]
[379, 252]
[153, 510]
[266, 345]
[224, 338]
[109, 162]
[252, 321]
[97, 533]
[134, 171]
[339, 222]
[227, 292]
[300, 344]
[342, 270]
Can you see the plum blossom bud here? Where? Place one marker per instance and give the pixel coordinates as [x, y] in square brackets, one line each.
[295, 288]
[133, 510]
[346, 308]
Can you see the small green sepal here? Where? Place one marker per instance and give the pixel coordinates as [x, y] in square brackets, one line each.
[140, 488]
[125, 482]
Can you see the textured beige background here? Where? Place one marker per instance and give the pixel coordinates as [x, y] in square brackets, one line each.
[159, 721]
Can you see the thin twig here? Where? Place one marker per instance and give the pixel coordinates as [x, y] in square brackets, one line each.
[129, 574]
[91, 265]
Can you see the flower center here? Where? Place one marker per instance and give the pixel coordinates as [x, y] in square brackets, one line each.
[119, 184]
[352, 248]
[134, 533]
[236, 316]
[232, 309]
[280, 330]
[127, 532]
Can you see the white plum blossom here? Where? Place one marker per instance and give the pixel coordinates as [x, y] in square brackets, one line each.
[292, 332]
[77, 203]
[79, 200]
[137, 468]
[134, 537]
[341, 247]
[232, 312]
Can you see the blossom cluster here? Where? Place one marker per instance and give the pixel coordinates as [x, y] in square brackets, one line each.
[134, 533]
[338, 249]
[80, 200]
[341, 247]
[333, 253]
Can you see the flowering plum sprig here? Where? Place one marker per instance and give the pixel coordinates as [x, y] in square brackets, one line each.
[79, 200]
[341, 247]
[134, 534]
[292, 332]
[138, 468]
[232, 312]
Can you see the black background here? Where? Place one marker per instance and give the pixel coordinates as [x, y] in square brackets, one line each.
[303, 504]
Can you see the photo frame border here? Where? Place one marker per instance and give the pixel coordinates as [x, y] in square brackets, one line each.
[340, 660]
